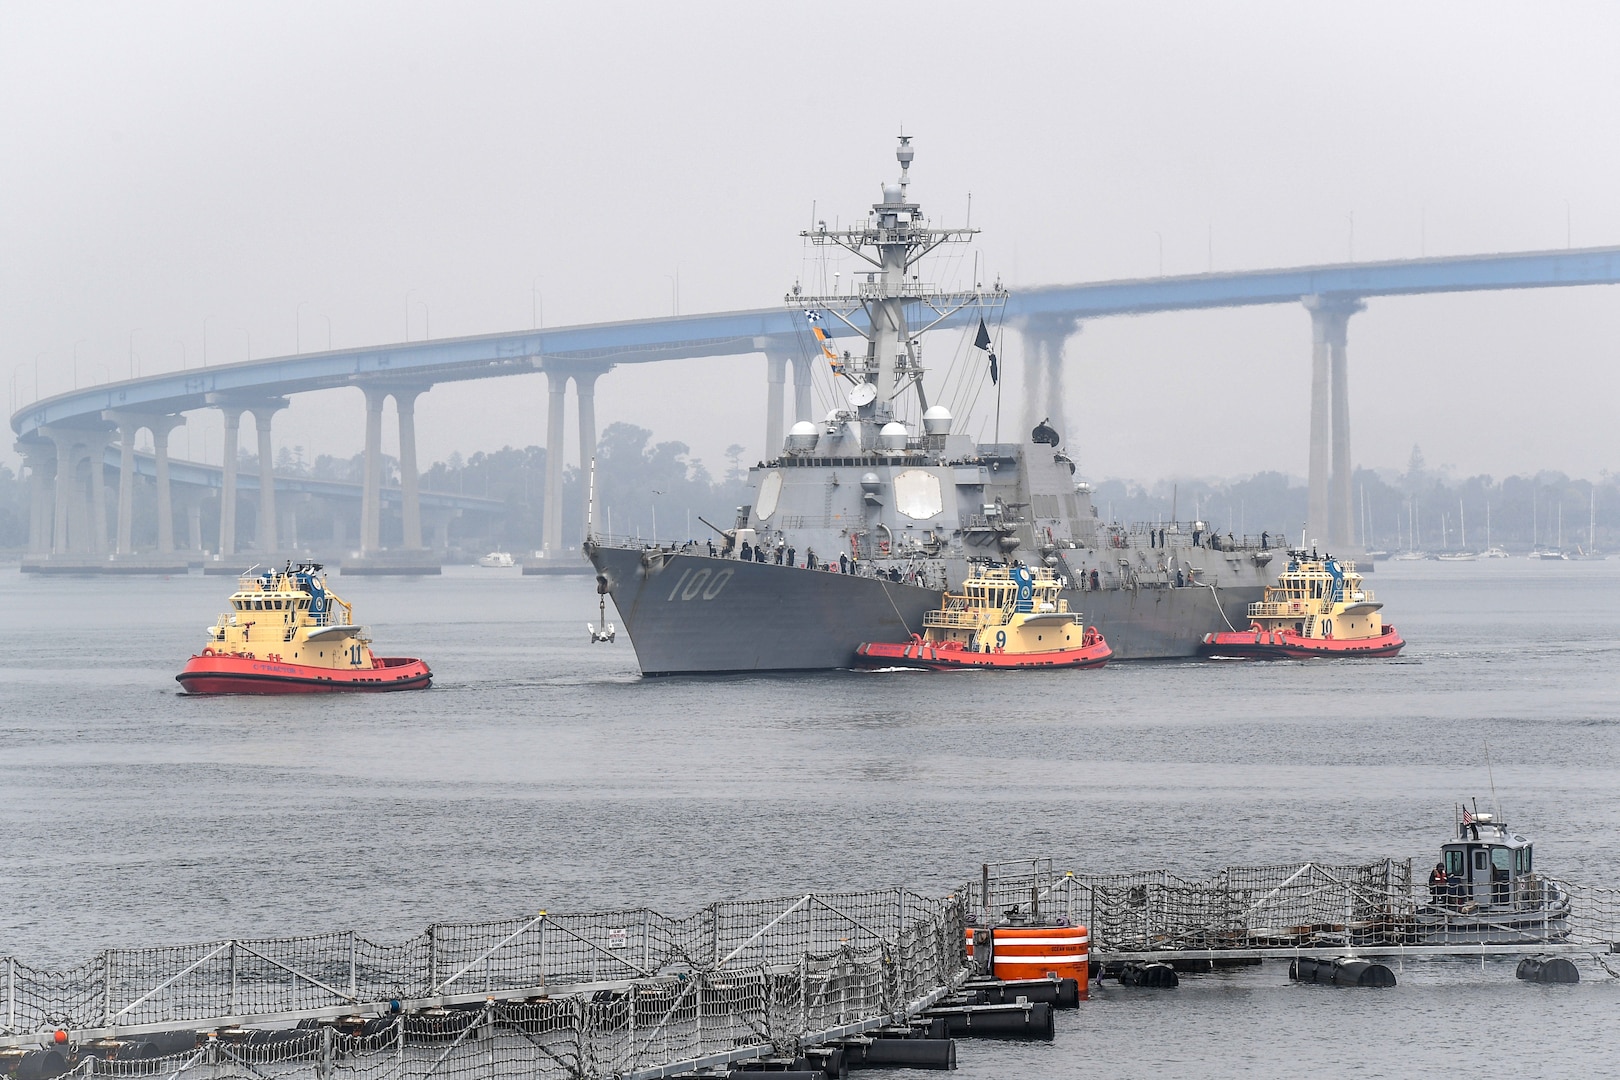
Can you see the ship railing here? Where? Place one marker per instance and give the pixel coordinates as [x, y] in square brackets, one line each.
[1282, 609]
[1208, 537]
[957, 620]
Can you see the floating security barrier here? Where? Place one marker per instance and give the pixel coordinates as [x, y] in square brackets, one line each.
[868, 1052]
[1059, 993]
[1014, 1020]
[1340, 972]
[1548, 969]
[1155, 975]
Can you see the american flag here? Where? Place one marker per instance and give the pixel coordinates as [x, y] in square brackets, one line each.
[1468, 818]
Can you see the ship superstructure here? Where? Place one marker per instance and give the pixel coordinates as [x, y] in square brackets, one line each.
[859, 523]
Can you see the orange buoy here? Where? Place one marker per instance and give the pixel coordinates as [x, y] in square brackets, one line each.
[1030, 952]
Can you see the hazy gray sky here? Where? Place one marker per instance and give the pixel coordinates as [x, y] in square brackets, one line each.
[167, 165]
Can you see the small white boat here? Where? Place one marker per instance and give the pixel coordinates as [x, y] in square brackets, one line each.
[497, 560]
[1457, 556]
[1486, 891]
[1493, 553]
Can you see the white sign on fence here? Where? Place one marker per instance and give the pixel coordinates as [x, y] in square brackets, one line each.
[618, 937]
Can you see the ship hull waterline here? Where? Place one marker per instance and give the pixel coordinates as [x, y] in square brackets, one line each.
[928, 657]
[226, 674]
[1263, 645]
[691, 614]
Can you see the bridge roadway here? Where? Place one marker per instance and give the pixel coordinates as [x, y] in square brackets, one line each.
[59, 436]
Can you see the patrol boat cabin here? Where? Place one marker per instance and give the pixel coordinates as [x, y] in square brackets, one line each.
[1490, 865]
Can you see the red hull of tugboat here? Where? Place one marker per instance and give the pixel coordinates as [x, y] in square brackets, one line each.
[1285, 645]
[920, 654]
[226, 674]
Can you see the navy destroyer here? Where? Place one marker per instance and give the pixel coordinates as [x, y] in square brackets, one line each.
[861, 522]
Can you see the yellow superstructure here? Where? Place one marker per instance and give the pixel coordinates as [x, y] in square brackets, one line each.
[1011, 609]
[288, 616]
[1321, 598]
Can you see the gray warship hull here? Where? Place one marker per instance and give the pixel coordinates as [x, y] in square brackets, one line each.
[691, 614]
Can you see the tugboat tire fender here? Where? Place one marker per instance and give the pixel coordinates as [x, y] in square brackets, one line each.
[208, 650]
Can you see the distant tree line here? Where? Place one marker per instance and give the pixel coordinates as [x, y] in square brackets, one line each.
[1421, 508]
[647, 489]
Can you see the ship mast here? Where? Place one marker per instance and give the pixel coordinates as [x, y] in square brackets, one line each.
[895, 237]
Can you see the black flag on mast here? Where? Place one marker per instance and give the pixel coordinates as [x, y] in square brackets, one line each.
[983, 342]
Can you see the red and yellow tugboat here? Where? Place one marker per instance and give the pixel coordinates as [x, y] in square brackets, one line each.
[1004, 617]
[286, 634]
[1317, 608]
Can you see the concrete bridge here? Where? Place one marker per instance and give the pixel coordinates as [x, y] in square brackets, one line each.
[60, 437]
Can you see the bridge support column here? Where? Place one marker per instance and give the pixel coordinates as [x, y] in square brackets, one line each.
[96, 449]
[129, 426]
[193, 525]
[41, 463]
[68, 446]
[264, 537]
[551, 516]
[1043, 339]
[227, 485]
[803, 368]
[371, 489]
[776, 363]
[1328, 517]
[410, 511]
[160, 426]
[127, 430]
[585, 390]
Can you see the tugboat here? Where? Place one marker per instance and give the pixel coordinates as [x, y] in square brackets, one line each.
[1485, 890]
[286, 634]
[1317, 608]
[1004, 617]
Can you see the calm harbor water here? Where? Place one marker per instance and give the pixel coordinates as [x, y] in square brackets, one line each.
[541, 771]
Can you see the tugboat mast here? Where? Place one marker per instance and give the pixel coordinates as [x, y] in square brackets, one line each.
[898, 236]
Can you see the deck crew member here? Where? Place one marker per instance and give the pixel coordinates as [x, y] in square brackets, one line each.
[1438, 885]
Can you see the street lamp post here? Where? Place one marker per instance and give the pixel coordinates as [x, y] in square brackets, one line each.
[298, 326]
[132, 334]
[76, 345]
[537, 304]
[408, 313]
[14, 373]
[249, 340]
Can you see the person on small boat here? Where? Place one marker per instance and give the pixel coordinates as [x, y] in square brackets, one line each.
[1438, 885]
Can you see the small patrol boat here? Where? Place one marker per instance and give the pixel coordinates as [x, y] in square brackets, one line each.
[1004, 617]
[1485, 890]
[1318, 607]
[286, 634]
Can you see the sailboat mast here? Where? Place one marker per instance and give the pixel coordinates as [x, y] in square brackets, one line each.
[1462, 527]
